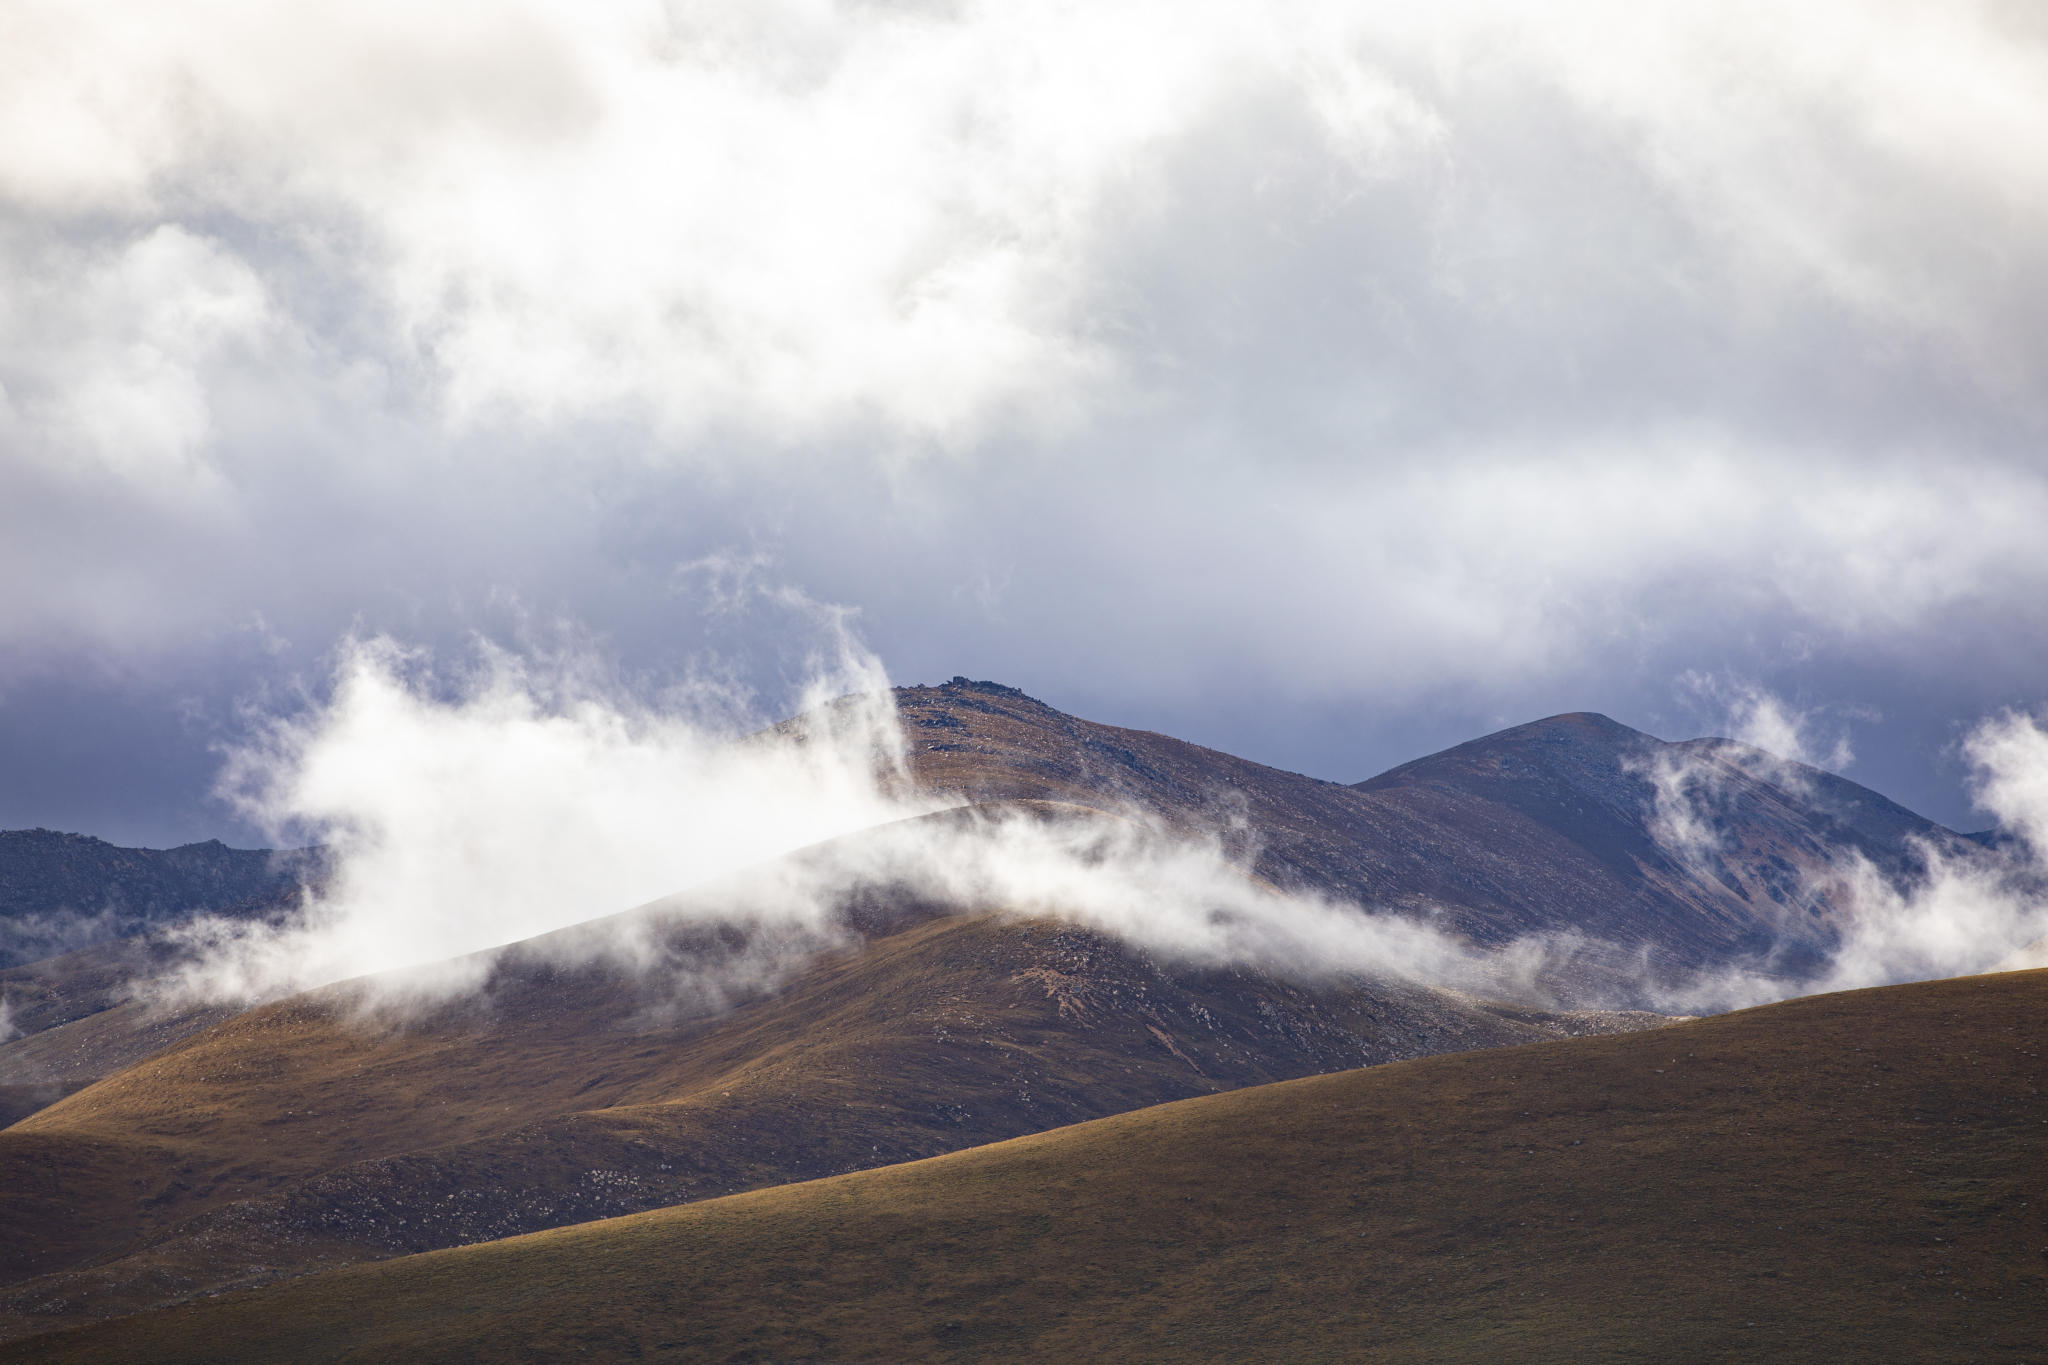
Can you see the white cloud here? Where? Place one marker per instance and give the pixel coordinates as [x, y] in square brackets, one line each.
[796, 216]
[2009, 754]
[111, 357]
[506, 801]
[1962, 915]
[1475, 351]
[500, 803]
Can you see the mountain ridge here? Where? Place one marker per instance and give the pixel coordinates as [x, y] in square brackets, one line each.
[60, 892]
[1489, 838]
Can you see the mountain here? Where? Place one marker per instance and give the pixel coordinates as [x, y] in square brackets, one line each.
[1843, 1177]
[84, 1016]
[61, 892]
[1691, 855]
[568, 1084]
[698, 1047]
[1681, 857]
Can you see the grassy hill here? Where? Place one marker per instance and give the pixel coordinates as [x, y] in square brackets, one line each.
[1861, 1176]
[566, 1087]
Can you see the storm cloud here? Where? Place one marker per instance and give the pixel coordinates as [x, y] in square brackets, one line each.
[1322, 382]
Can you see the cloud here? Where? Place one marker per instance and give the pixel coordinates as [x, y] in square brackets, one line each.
[2009, 753]
[32, 937]
[1376, 360]
[1967, 911]
[919, 221]
[508, 803]
[112, 356]
[779, 215]
[502, 802]
[1756, 716]
[1774, 742]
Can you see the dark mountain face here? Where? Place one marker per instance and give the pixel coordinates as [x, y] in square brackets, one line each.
[1706, 850]
[1682, 856]
[307, 1133]
[62, 892]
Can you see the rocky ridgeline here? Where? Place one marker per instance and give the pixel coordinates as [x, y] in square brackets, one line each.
[61, 892]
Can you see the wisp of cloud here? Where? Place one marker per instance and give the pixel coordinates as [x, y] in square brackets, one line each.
[1970, 910]
[520, 800]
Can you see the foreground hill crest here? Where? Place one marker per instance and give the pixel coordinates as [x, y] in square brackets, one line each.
[1845, 1177]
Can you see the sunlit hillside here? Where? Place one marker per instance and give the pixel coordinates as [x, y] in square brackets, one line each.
[1848, 1177]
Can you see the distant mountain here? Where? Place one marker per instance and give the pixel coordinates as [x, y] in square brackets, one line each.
[62, 892]
[1845, 1177]
[307, 1133]
[1685, 855]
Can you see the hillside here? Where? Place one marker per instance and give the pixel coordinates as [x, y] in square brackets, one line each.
[67, 1021]
[1845, 1177]
[570, 1084]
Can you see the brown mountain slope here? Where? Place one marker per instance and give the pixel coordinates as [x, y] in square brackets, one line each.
[1844, 1177]
[310, 1132]
[199, 1167]
[85, 1015]
[1548, 828]
[70, 1020]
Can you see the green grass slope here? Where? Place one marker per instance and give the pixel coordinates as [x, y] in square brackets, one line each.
[1848, 1177]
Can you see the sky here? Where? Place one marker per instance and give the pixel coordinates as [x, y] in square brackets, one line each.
[1324, 383]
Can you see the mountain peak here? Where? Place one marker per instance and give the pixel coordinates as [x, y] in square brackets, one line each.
[957, 683]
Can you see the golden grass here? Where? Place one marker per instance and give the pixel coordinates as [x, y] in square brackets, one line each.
[1839, 1178]
[297, 1136]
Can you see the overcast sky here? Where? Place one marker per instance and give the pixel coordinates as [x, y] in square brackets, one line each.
[1326, 383]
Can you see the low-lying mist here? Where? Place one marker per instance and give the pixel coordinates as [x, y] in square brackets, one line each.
[511, 801]
[36, 937]
[507, 802]
[465, 811]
